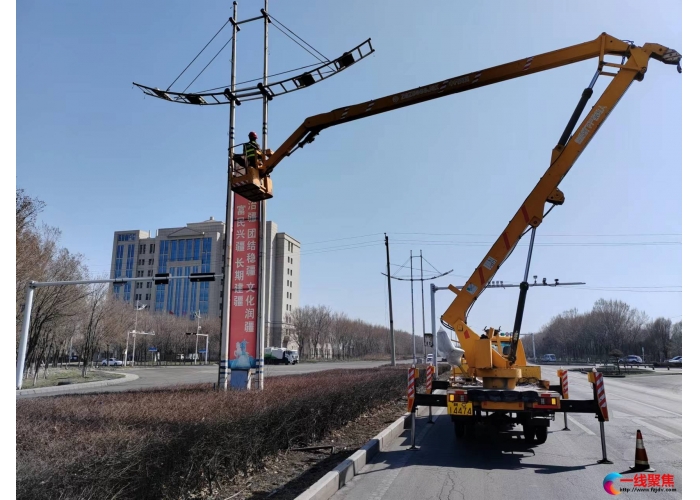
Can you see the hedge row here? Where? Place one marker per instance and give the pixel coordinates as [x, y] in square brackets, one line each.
[165, 443]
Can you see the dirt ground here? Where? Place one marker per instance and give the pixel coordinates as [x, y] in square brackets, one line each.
[290, 473]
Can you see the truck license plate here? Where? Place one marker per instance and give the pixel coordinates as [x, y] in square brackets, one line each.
[455, 408]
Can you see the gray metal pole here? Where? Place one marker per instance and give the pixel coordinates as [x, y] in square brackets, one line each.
[391, 311]
[133, 352]
[126, 350]
[263, 230]
[422, 301]
[433, 289]
[206, 354]
[602, 444]
[228, 245]
[24, 337]
[534, 353]
[413, 328]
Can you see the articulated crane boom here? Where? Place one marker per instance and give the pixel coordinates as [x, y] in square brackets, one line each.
[497, 369]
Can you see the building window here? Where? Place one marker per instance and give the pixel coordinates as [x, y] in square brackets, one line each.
[148, 284]
[173, 250]
[150, 262]
[195, 255]
[127, 237]
[291, 261]
[290, 272]
[150, 272]
[118, 261]
[188, 250]
[152, 248]
[148, 296]
[162, 258]
[290, 295]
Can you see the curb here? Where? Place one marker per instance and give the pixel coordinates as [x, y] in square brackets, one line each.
[125, 377]
[329, 484]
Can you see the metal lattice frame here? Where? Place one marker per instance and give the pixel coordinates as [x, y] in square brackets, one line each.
[275, 89]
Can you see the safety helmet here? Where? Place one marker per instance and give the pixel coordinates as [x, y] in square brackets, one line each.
[252, 136]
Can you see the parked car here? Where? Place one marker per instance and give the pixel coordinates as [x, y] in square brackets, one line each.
[549, 357]
[631, 360]
[112, 362]
[675, 361]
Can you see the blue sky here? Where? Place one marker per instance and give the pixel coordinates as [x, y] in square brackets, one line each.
[444, 176]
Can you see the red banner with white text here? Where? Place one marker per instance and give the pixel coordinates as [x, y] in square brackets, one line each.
[244, 284]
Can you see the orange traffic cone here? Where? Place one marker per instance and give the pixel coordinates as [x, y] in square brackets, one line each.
[641, 462]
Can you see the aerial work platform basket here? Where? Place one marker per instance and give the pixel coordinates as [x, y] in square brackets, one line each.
[246, 182]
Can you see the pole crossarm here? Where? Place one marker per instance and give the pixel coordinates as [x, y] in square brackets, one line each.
[517, 286]
[271, 90]
[421, 279]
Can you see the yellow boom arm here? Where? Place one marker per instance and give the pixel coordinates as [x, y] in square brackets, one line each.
[604, 44]
[564, 155]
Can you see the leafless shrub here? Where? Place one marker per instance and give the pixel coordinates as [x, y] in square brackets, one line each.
[164, 443]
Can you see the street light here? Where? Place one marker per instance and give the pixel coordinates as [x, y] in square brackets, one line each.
[198, 315]
[133, 352]
[136, 323]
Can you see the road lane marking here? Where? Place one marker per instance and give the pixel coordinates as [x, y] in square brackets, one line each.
[653, 428]
[650, 406]
[583, 427]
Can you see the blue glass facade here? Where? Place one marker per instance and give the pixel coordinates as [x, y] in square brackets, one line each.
[180, 297]
[129, 271]
[178, 286]
[170, 292]
[185, 290]
[118, 261]
[193, 293]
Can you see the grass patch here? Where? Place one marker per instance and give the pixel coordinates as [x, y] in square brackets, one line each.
[72, 375]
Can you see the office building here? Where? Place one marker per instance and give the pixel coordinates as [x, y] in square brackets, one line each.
[198, 247]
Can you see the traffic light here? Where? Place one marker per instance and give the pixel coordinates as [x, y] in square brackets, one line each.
[162, 278]
[197, 277]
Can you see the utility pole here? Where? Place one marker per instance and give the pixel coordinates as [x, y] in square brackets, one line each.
[263, 230]
[228, 245]
[391, 312]
[422, 299]
[413, 328]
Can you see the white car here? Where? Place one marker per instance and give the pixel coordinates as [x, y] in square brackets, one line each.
[112, 362]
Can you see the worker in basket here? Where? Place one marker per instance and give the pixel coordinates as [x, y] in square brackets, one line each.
[251, 150]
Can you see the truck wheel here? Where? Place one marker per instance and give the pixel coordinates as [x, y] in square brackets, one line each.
[459, 429]
[541, 434]
[529, 433]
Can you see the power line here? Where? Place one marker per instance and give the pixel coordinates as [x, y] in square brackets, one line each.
[551, 235]
[293, 40]
[195, 57]
[339, 239]
[300, 38]
[211, 61]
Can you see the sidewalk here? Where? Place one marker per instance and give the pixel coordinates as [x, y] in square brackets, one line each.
[123, 377]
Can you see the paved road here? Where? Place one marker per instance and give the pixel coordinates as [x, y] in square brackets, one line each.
[163, 376]
[563, 467]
